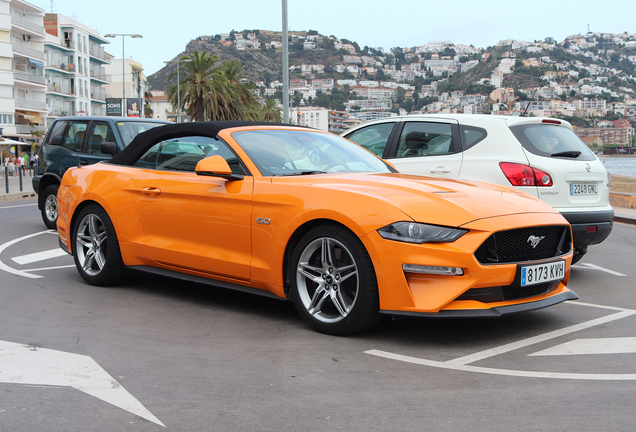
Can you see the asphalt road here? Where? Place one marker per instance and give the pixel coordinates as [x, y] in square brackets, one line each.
[158, 354]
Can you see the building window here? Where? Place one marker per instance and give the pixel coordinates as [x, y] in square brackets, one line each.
[6, 119]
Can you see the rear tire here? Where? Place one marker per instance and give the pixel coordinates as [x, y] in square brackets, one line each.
[333, 282]
[49, 206]
[95, 247]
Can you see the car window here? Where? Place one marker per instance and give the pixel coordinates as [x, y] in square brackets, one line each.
[472, 135]
[293, 152]
[549, 140]
[426, 139]
[74, 137]
[183, 154]
[130, 129]
[57, 132]
[373, 138]
[100, 132]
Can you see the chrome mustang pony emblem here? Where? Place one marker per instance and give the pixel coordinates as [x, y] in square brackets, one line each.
[534, 240]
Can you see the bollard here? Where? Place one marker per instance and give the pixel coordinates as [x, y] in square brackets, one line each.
[20, 175]
[6, 178]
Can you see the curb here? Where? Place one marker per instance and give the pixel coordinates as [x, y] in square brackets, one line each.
[17, 196]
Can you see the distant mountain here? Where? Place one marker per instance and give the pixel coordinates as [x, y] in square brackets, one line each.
[604, 59]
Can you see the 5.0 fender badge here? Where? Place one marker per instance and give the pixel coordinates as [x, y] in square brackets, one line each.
[264, 221]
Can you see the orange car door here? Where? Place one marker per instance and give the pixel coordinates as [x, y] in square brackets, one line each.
[196, 222]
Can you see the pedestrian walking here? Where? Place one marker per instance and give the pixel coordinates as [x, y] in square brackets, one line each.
[10, 166]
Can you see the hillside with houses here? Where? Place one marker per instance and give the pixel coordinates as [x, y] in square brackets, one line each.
[588, 79]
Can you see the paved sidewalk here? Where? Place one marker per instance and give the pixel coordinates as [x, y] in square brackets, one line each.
[15, 192]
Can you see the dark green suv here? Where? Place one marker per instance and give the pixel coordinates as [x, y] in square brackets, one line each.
[73, 141]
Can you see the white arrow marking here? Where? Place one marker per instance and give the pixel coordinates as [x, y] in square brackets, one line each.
[463, 363]
[618, 345]
[39, 256]
[595, 267]
[20, 364]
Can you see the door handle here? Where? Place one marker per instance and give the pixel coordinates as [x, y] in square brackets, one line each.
[440, 169]
[151, 191]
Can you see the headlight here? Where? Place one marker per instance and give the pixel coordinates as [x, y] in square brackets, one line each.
[413, 232]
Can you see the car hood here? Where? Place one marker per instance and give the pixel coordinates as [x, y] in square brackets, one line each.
[438, 201]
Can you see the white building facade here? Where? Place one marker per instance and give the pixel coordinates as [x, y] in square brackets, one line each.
[22, 81]
[76, 78]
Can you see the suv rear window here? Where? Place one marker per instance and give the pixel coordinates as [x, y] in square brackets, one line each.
[552, 141]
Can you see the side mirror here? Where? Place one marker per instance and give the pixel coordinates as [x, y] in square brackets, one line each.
[107, 147]
[216, 166]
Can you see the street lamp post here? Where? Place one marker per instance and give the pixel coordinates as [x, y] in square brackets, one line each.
[123, 66]
[178, 92]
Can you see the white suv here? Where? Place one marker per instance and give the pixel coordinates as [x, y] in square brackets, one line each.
[540, 156]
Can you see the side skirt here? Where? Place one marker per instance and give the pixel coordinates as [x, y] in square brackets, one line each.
[203, 280]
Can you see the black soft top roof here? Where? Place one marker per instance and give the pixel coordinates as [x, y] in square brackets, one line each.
[145, 140]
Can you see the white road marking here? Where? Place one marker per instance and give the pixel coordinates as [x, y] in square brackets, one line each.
[26, 273]
[27, 365]
[595, 267]
[617, 345]
[537, 339]
[39, 256]
[462, 363]
[11, 270]
[16, 206]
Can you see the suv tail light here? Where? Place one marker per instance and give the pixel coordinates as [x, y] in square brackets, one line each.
[524, 175]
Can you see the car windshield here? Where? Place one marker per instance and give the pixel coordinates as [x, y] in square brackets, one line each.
[552, 141]
[128, 130]
[293, 152]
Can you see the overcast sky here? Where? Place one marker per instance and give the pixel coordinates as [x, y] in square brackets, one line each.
[167, 26]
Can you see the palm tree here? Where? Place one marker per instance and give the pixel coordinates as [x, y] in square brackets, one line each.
[265, 112]
[197, 82]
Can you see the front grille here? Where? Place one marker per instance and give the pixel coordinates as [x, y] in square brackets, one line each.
[516, 245]
[510, 292]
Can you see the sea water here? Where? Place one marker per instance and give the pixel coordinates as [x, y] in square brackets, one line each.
[623, 165]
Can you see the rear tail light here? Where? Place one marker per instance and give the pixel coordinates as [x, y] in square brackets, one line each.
[524, 175]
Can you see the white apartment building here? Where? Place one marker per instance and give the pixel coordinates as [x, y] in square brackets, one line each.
[313, 117]
[128, 73]
[76, 76]
[22, 82]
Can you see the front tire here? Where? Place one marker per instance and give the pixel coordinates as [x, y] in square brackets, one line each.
[95, 247]
[49, 206]
[333, 282]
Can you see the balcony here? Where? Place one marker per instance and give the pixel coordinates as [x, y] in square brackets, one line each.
[64, 89]
[29, 129]
[28, 51]
[19, 21]
[98, 94]
[97, 52]
[57, 112]
[69, 68]
[30, 104]
[25, 76]
[101, 76]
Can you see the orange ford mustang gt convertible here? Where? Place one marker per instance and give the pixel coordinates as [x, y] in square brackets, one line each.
[306, 215]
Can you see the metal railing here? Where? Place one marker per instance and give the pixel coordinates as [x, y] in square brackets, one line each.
[25, 76]
[18, 20]
[30, 104]
[28, 51]
[101, 76]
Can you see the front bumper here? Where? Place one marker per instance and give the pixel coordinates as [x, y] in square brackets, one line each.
[494, 312]
[404, 293]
